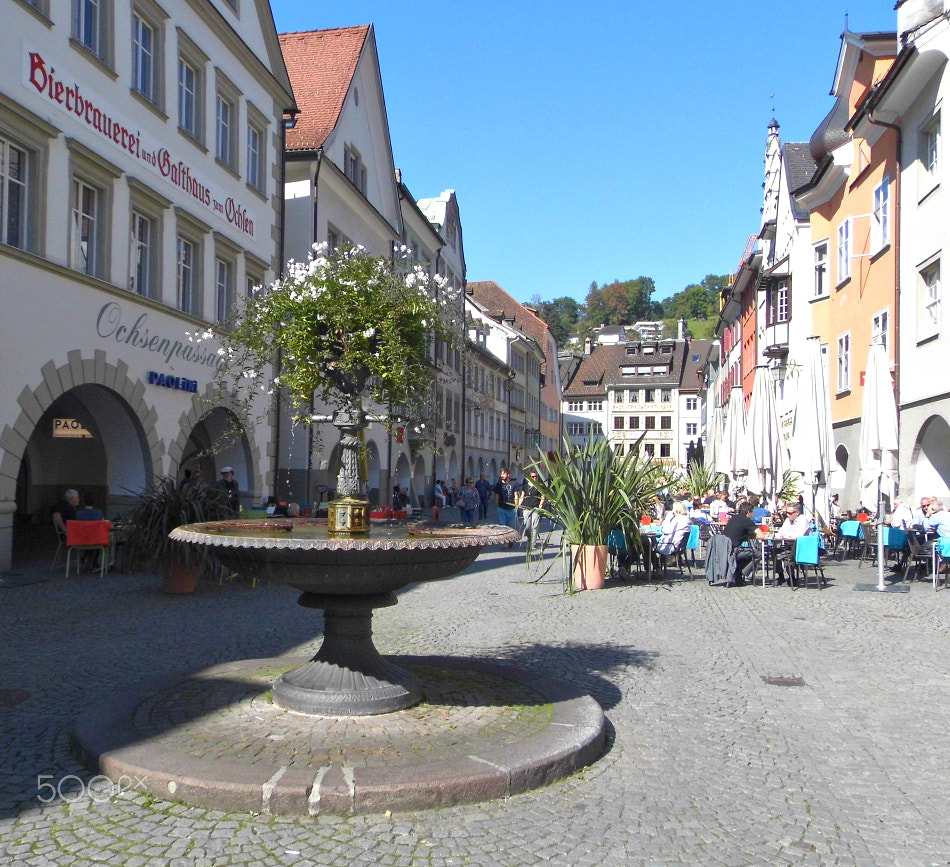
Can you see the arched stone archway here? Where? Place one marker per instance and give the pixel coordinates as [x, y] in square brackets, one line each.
[930, 459]
[111, 401]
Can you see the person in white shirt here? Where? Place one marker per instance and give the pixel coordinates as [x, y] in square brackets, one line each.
[795, 525]
[920, 515]
[902, 517]
[718, 506]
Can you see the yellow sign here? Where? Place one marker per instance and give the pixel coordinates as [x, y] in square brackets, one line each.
[69, 427]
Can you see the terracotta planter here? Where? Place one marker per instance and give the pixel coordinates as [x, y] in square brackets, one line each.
[590, 567]
[178, 577]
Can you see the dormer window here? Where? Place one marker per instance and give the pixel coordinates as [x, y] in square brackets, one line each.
[353, 168]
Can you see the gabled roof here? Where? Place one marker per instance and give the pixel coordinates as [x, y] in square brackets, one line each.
[321, 64]
[800, 168]
[500, 305]
[603, 367]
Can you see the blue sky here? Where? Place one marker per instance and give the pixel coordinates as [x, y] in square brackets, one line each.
[603, 140]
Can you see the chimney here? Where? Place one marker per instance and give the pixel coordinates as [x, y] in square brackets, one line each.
[587, 346]
[681, 329]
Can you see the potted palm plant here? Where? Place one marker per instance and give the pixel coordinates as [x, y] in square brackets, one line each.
[159, 509]
[591, 491]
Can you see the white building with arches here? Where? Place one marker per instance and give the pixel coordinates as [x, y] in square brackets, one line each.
[140, 193]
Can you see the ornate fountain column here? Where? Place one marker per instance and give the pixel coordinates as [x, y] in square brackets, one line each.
[349, 513]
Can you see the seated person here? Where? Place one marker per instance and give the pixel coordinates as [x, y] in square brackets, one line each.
[796, 524]
[740, 528]
[89, 512]
[938, 519]
[902, 517]
[674, 530]
[66, 510]
[718, 506]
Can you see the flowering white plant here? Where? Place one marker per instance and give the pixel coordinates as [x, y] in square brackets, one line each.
[341, 326]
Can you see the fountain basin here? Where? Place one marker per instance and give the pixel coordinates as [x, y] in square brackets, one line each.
[347, 577]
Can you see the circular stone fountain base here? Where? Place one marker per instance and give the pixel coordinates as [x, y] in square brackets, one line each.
[218, 740]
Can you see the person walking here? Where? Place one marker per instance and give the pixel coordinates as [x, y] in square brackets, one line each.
[530, 501]
[483, 486]
[469, 502]
[505, 491]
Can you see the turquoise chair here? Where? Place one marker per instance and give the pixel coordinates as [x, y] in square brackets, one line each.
[692, 544]
[808, 556]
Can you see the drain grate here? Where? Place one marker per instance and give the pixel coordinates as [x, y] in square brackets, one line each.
[10, 697]
[783, 681]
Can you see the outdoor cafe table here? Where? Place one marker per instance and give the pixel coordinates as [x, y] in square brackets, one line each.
[650, 534]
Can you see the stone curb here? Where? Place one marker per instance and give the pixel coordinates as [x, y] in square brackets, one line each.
[574, 737]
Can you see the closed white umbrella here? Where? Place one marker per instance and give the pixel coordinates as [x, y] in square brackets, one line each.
[878, 444]
[812, 444]
[730, 459]
[766, 454]
[714, 426]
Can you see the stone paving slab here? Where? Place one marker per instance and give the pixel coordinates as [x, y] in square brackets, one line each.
[707, 762]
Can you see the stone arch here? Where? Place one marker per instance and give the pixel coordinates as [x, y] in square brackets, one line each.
[210, 408]
[930, 459]
[57, 381]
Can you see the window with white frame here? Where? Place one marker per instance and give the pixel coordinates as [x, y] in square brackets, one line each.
[142, 255]
[929, 146]
[188, 93]
[649, 422]
[14, 188]
[86, 227]
[223, 289]
[575, 406]
[666, 422]
[596, 428]
[353, 168]
[92, 20]
[881, 216]
[634, 395]
[255, 157]
[90, 222]
[225, 111]
[666, 395]
[844, 363]
[143, 57]
[634, 422]
[821, 269]
[928, 304]
[692, 404]
[664, 450]
[188, 276]
[691, 429]
[778, 310]
[619, 395]
[844, 250]
[879, 323]
[618, 422]
[595, 405]
[649, 449]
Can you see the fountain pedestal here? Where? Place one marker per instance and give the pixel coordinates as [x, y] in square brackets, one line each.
[348, 676]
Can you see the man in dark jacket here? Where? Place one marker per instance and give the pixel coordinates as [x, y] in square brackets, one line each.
[740, 528]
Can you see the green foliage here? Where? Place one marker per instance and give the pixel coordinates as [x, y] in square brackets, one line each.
[161, 508]
[592, 490]
[700, 478]
[343, 324]
[791, 487]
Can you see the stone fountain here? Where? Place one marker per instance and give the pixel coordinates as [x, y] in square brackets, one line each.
[347, 577]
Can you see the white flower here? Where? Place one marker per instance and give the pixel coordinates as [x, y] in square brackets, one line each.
[369, 332]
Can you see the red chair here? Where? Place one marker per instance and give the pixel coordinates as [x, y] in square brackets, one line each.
[862, 517]
[88, 536]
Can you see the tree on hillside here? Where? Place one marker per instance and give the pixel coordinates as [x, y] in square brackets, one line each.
[621, 302]
[561, 316]
[698, 301]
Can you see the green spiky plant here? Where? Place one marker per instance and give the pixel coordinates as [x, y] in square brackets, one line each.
[700, 478]
[591, 491]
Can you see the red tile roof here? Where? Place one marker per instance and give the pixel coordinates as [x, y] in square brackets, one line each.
[321, 64]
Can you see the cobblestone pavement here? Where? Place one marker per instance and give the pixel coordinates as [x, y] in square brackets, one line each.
[708, 762]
